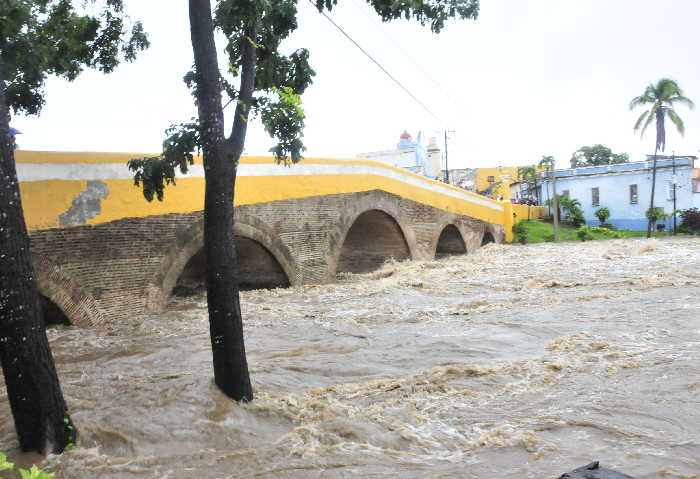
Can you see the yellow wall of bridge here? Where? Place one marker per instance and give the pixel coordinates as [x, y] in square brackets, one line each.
[45, 200]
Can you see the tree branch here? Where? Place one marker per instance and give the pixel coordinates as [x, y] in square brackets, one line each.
[244, 102]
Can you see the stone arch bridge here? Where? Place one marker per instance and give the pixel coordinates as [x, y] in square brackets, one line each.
[102, 252]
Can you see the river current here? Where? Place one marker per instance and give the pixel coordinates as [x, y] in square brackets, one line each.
[512, 362]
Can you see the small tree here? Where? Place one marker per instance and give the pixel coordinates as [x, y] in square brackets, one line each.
[596, 155]
[40, 38]
[655, 215]
[602, 214]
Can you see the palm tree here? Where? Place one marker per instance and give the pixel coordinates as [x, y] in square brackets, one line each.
[660, 98]
[528, 174]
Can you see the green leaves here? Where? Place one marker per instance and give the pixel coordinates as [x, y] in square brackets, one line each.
[52, 37]
[4, 464]
[661, 97]
[154, 173]
[284, 120]
[596, 155]
[432, 12]
[35, 473]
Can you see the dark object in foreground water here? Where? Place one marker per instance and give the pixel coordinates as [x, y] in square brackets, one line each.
[594, 471]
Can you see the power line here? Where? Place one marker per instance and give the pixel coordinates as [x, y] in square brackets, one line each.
[398, 46]
[380, 66]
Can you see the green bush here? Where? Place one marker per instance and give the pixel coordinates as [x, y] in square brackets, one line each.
[32, 473]
[520, 232]
[690, 220]
[602, 214]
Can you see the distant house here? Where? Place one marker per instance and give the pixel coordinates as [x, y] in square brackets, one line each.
[625, 189]
[410, 155]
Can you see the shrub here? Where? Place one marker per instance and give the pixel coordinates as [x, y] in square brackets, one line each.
[32, 473]
[608, 226]
[520, 232]
[602, 214]
[690, 220]
[655, 214]
[583, 234]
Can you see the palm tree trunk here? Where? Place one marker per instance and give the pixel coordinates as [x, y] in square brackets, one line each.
[653, 190]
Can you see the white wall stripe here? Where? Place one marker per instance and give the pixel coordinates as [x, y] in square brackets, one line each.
[27, 172]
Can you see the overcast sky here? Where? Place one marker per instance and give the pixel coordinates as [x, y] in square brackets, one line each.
[527, 78]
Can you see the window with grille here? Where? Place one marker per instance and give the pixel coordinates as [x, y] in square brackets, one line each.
[595, 196]
[634, 197]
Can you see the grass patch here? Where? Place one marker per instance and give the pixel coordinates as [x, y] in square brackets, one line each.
[541, 232]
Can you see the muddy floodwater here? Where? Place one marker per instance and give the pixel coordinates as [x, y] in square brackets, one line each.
[511, 362]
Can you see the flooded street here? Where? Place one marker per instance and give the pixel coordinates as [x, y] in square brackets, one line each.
[512, 362]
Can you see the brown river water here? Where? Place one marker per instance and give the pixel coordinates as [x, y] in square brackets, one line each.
[512, 362]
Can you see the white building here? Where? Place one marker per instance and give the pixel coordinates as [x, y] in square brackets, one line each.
[411, 155]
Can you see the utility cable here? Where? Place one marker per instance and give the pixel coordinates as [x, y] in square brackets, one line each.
[380, 66]
[427, 75]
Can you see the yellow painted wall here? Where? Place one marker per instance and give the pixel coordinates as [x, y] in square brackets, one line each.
[44, 201]
[506, 174]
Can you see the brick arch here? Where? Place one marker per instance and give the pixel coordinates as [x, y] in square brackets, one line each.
[349, 219]
[191, 241]
[450, 238]
[78, 306]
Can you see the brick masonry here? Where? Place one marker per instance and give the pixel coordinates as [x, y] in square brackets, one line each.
[108, 271]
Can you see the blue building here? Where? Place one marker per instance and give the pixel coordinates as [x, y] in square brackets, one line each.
[625, 189]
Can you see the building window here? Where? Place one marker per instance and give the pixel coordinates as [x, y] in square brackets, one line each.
[633, 194]
[696, 185]
[565, 193]
[490, 179]
[595, 196]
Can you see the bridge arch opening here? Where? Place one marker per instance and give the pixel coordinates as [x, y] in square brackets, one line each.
[450, 243]
[488, 238]
[372, 239]
[53, 315]
[258, 269]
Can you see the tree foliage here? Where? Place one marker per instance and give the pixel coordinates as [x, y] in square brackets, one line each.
[39, 38]
[597, 155]
[660, 98]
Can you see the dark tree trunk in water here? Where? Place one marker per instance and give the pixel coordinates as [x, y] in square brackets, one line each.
[38, 408]
[220, 161]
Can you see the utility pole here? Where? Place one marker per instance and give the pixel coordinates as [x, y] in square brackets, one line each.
[447, 168]
[675, 181]
[653, 189]
[556, 204]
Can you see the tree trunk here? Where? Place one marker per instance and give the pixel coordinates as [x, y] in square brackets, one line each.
[38, 408]
[225, 320]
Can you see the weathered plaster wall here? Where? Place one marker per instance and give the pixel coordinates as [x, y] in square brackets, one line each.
[51, 183]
